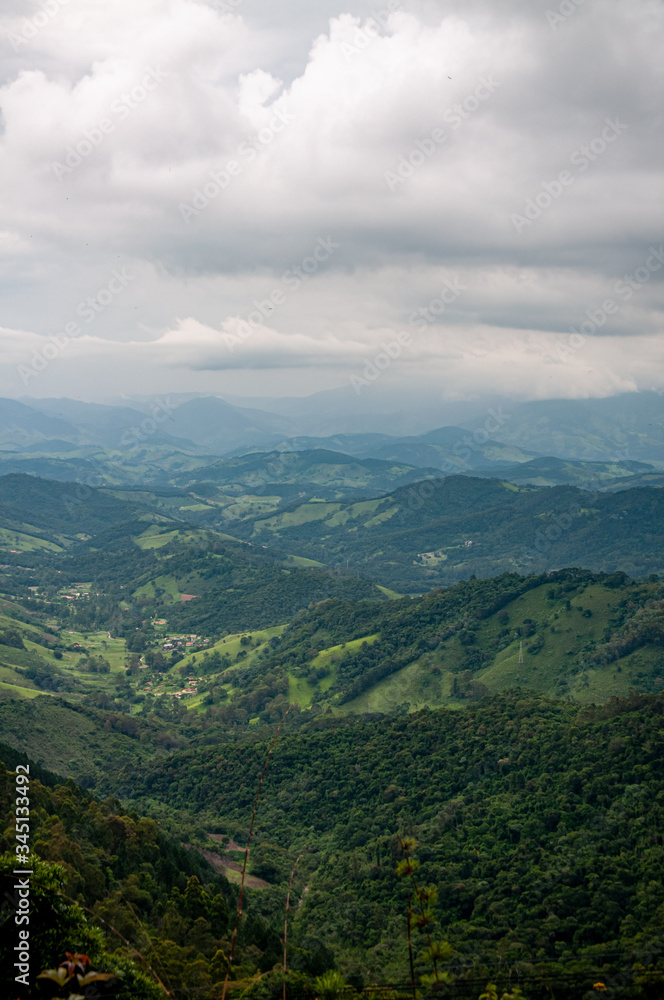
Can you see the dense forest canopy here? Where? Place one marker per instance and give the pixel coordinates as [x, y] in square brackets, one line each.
[491, 749]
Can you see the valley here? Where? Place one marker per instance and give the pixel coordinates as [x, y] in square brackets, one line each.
[332, 500]
[466, 658]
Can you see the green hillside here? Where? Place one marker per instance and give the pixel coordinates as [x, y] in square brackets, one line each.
[88, 745]
[55, 510]
[587, 475]
[318, 472]
[570, 634]
[114, 886]
[140, 560]
[539, 825]
[441, 531]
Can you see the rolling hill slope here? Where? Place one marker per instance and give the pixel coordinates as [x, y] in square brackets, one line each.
[586, 475]
[322, 473]
[441, 531]
[538, 826]
[627, 426]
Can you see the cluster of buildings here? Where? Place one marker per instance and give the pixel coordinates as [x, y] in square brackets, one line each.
[178, 641]
[75, 592]
[190, 688]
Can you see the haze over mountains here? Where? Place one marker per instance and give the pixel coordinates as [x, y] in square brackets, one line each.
[332, 499]
[627, 427]
[176, 574]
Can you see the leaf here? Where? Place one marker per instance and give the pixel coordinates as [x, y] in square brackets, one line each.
[440, 951]
[58, 975]
[94, 977]
[407, 867]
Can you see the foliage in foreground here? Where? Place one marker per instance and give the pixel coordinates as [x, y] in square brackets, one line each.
[540, 832]
[541, 827]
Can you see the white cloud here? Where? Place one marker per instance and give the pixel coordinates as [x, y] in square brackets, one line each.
[314, 118]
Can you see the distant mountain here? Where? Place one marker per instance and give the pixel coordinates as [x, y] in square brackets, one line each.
[110, 426]
[588, 475]
[219, 427]
[625, 427]
[654, 478]
[446, 450]
[359, 445]
[206, 423]
[62, 470]
[22, 426]
[452, 449]
[317, 472]
[383, 409]
[33, 509]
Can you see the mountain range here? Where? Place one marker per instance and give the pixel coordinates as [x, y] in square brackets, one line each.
[596, 444]
[628, 426]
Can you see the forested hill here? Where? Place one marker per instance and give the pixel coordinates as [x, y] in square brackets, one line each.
[113, 885]
[310, 472]
[569, 634]
[540, 826]
[41, 513]
[441, 531]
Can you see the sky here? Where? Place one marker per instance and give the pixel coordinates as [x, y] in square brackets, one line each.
[415, 196]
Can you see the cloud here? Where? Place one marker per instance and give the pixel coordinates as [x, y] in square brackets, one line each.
[414, 139]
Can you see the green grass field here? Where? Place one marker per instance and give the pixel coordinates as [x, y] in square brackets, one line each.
[302, 563]
[249, 506]
[311, 511]
[153, 538]
[165, 582]
[414, 685]
[18, 691]
[302, 692]
[232, 644]
[553, 665]
[23, 542]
